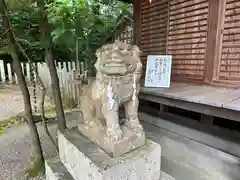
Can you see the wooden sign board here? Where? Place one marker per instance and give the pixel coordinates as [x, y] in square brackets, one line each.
[158, 71]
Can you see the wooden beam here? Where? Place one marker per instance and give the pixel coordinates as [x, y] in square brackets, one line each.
[163, 108]
[126, 1]
[137, 22]
[206, 119]
[214, 39]
[196, 107]
[212, 136]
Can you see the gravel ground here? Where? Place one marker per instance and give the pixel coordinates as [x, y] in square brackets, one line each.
[11, 101]
[15, 149]
[15, 143]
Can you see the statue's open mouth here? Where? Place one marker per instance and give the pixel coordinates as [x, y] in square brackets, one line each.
[114, 65]
[114, 62]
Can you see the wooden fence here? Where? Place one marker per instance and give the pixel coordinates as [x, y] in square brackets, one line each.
[69, 85]
[7, 75]
[67, 73]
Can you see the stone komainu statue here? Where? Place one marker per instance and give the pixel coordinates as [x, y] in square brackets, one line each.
[118, 74]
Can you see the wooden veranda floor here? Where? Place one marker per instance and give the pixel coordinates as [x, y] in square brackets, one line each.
[215, 101]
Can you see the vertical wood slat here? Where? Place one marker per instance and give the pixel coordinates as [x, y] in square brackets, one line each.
[22, 66]
[63, 83]
[75, 96]
[78, 66]
[59, 65]
[40, 67]
[65, 89]
[28, 75]
[137, 22]
[69, 85]
[214, 40]
[60, 79]
[168, 23]
[10, 78]
[73, 65]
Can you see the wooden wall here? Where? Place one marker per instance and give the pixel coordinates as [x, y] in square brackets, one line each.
[203, 36]
[230, 55]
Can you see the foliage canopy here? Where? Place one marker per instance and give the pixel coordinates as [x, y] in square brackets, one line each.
[79, 27]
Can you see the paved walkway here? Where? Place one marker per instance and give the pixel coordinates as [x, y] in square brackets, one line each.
[15, 148]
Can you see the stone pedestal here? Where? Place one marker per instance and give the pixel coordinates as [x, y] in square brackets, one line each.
[55, 170]
[129, 142]
[85, 160]
[80, 158]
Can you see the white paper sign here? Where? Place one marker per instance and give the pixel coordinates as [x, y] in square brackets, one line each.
[158, 71]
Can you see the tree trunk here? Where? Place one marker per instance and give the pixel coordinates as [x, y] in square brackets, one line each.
[44, 119]
[47, 44]
[36, 145]
[43, 89]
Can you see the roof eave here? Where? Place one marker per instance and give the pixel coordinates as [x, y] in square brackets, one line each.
[127, 1]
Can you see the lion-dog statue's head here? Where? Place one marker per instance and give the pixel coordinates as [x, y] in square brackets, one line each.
[118, 59]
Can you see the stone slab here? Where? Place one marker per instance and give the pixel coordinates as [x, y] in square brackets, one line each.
[55, 170]
[129, 142]
[85, 160]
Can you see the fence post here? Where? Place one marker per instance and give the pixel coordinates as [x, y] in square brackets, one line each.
[15, 78]
[69, 66]
[81, 68]
[59, 65]
[2, 71]
[22, 66]
[74, 65]
[216, 18]
[65, 65]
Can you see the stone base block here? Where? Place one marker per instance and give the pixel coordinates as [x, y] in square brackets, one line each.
[165, 176]
[85, 160]
[129, 142]
[55, 170]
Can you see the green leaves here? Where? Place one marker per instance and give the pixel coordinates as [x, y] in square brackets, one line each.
[91, 22]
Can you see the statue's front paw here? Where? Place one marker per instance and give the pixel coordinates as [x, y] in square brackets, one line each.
[134, 124]
[115, 134]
